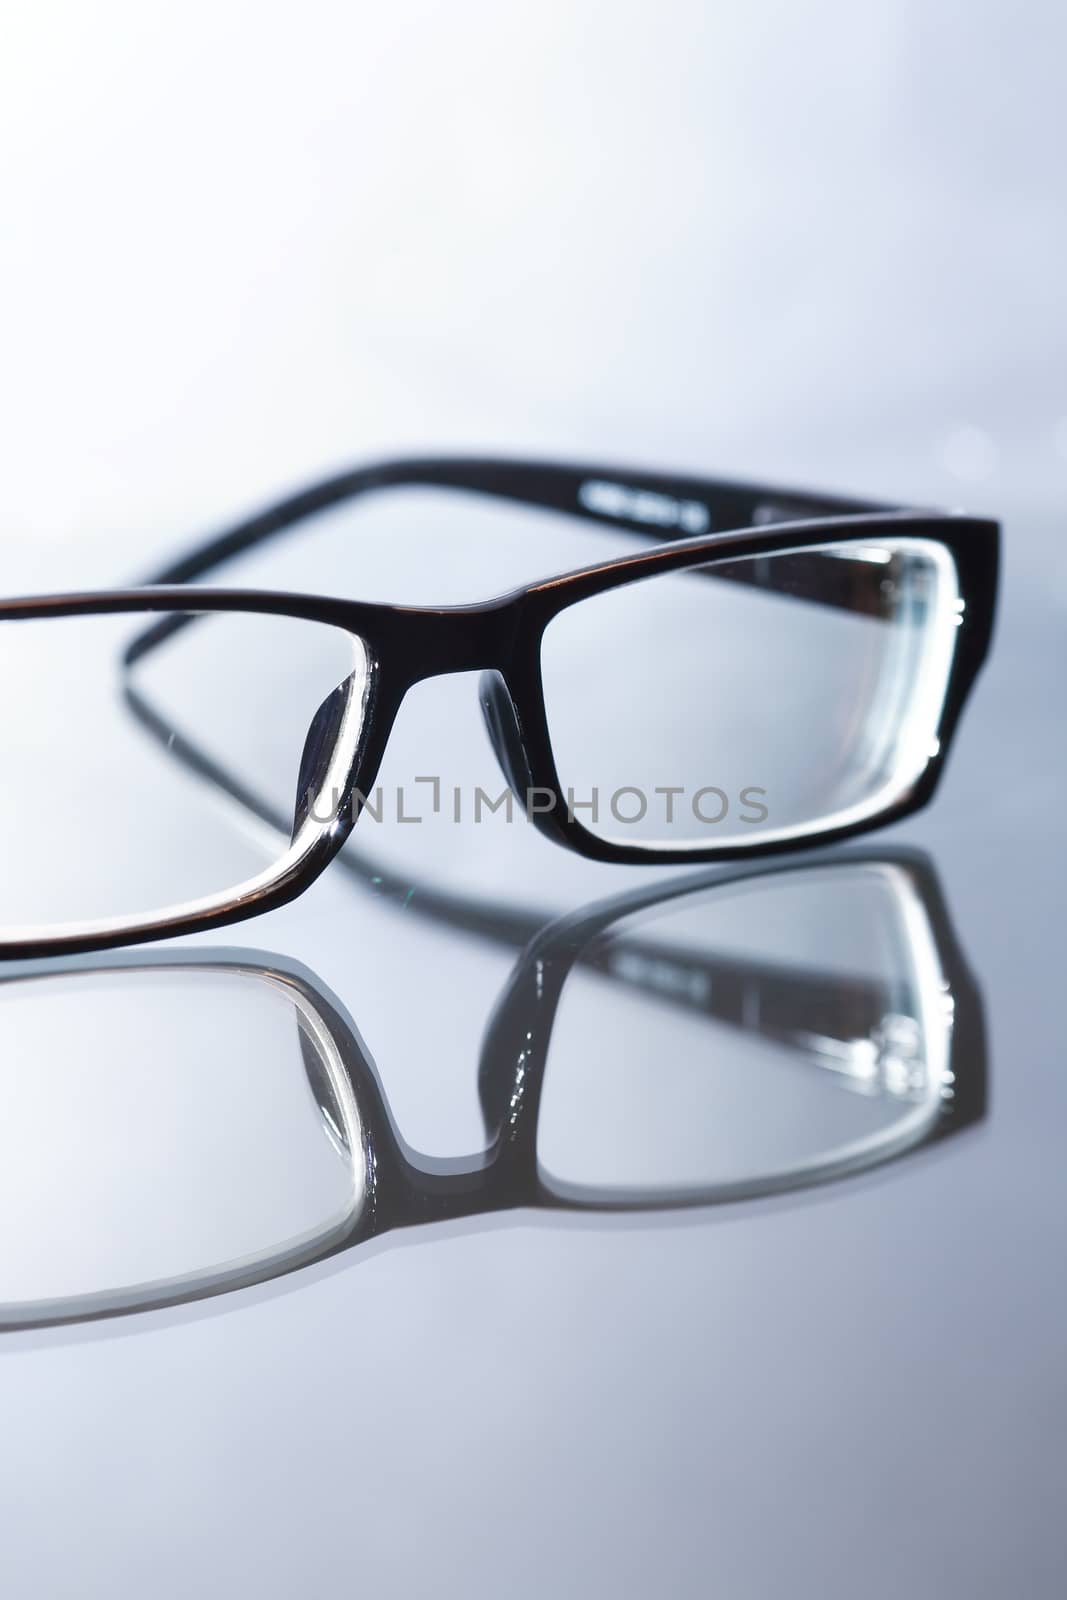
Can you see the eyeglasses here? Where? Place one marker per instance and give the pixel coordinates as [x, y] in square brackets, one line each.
[761, 1032]
[776, 670]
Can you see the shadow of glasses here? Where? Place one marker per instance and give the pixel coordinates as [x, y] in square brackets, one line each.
[176, 1126]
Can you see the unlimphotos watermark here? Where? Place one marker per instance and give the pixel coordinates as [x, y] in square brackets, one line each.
[629, 805]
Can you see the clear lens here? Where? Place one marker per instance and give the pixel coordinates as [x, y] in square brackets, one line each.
[114, 809]
[163, 1131]
[748, 1040]
[739, 702]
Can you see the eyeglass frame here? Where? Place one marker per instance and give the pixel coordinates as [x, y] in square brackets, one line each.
[502, 637]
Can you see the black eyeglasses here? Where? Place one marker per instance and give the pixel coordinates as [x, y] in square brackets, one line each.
[759, 1032]
[776, 670]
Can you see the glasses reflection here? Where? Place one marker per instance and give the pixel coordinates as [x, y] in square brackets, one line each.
[172, 1127]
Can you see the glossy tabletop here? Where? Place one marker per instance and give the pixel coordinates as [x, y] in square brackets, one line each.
[508, 1381]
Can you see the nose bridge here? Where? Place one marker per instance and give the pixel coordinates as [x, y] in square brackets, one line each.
[428, 643]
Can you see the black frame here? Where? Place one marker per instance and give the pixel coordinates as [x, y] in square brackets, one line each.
[502, 637]
[406, 1189]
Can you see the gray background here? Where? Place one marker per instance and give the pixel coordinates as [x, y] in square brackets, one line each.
[819, 243]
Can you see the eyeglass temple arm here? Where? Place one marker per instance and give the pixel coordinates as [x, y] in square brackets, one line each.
[658, 506]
